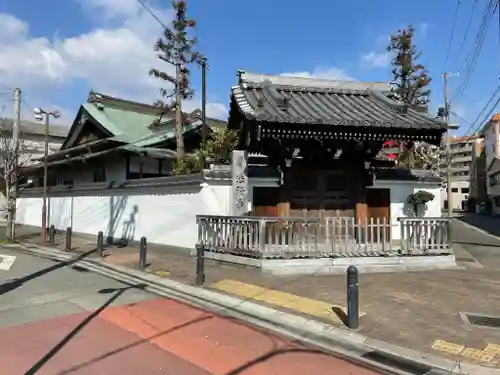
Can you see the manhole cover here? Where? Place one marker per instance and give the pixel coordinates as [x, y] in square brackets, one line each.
[481, 320]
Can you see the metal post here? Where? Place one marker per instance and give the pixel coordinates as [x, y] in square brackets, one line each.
[100, 244]
[352, 298]
[52, 235]
[200, 265]
[143, 253]
[68, 238]
[45, 171]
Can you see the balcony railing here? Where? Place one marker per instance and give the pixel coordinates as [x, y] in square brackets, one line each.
[276, 237]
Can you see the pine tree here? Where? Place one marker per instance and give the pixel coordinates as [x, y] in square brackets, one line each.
[410, 86]
[411, 79]
[176, 47]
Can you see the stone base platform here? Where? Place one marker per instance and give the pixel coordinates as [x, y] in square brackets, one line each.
[339, 265]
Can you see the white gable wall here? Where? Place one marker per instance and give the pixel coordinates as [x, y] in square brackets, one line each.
[399, 192]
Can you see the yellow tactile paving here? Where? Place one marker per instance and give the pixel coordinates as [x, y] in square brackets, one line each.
[488, 354]
[281, 299]
[162, 273]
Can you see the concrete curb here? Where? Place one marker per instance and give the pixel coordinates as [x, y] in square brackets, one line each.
[353, 346]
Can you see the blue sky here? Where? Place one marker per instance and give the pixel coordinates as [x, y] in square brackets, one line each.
[56, 50]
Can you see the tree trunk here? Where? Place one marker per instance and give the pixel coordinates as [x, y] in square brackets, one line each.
[179, 125]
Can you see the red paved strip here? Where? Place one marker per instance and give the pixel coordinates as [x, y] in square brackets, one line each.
[222, 346]
[160, 336]
[99, 348]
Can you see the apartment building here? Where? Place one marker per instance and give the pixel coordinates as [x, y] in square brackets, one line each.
[461, 149]
[478, 193]
[491, 134]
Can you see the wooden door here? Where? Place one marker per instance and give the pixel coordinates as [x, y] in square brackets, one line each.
[378, 202]
[265, 201]
[319, 193]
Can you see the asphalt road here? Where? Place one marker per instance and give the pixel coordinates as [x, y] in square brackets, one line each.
[483, 244]
[56, 318]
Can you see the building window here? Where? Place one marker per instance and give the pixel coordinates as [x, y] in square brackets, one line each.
[100, 174]
[464, 190]
[454, 190]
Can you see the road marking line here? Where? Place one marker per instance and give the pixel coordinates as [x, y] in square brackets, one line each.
[488, 354]
[6, 261]
[302, 305]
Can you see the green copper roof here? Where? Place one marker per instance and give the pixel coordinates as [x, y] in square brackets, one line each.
[134, 127]
[131, 125]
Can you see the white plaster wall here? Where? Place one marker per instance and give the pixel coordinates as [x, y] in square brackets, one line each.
[164, 215]
[457, 197]
[399, 192]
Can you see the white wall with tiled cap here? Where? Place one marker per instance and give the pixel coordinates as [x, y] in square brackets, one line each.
[399, 192]
[164, 215]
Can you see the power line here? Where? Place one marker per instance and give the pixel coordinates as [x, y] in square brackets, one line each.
[475, 51]
[488, 116]
[460, 117]
[466, 34]
[150, 11]
[26, 104]
[7, 87]
[475, 124]
[452, 34]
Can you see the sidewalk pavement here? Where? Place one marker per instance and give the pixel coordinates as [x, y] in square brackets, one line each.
[416, 310]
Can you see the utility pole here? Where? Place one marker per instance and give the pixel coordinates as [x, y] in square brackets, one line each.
[204, 129]
[448, 151]
[12, 193]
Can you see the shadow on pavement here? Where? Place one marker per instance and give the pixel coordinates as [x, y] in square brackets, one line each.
[16, 283]
[130, 346]
[118, 292]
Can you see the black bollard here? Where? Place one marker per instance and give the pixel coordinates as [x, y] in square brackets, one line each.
[52, 235]
[352, 298]
[143, 253]
[68, 238]
[100, 244]
[200, 265]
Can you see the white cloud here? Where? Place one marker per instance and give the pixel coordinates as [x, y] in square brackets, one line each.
[376, 59]
[111, 59]
[322, 72]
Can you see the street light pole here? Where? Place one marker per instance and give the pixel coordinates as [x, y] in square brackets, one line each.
[45, 172]
[39, 114]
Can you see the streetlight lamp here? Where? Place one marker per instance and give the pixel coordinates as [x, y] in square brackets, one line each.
[40, 115]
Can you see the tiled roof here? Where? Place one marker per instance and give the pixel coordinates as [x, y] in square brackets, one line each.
[133, 122]
[37, 128]
[279, 99]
